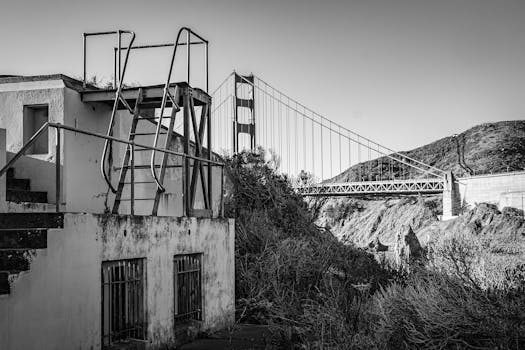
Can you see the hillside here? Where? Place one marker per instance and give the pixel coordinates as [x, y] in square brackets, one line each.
[485, 149]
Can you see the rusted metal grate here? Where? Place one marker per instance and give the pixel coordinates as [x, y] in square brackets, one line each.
[188, 287]
[123, 310]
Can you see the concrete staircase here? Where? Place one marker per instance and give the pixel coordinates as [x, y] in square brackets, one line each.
[19, 190]
[20, 235]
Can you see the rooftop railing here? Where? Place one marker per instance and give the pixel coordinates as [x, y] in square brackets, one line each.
[134, 147]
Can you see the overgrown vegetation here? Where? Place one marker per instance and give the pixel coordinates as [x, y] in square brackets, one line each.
[316, 293]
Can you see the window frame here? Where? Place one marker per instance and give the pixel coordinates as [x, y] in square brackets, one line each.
[130, 299]
[189, 265]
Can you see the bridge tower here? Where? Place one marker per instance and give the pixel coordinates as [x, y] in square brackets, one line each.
[244, 102]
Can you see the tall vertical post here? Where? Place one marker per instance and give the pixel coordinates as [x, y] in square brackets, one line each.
[210, 167]
[242, 127]
[188, 58]
[119, 44]
[132, 180]
[451, 197]
[85, 60]
[57, 170]
[186, 175]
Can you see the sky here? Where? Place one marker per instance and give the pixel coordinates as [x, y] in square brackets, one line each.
[402, 72]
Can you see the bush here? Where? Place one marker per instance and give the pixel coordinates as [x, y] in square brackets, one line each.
[289, 273]
[316, 293]
[436, 311]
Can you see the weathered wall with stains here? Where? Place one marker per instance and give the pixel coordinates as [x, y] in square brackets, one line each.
[57, 304]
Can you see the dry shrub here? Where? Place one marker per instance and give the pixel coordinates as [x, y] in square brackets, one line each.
[290, 274]
[436, 311]
[316, 293]
[479, 261]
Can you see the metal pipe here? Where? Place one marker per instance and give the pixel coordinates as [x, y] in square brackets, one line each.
[84, 59]
[89, 133]
[115, 108]
[153, 46]
[222, 195]
[132, 180]
[183, 181]
[209, 141]
[188, 59]
[114, 68]
[57, 171]
[119, 44]
[206, 66]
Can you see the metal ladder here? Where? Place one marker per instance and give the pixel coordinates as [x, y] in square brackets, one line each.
[128, 162]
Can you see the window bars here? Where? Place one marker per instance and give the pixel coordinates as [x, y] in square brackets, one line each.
[187, 284]
[123, 304]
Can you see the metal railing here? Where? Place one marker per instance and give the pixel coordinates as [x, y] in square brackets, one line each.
[167, 94]
[118, 92]
[134, 147]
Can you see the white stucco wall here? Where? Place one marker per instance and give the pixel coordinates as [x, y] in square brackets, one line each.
[506, 189]
[84, 187]
[57, 304]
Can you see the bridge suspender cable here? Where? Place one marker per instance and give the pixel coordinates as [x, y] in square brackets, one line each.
[271, 104]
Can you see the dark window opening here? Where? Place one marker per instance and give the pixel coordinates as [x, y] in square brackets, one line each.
[188, 288]
[34, 118]
[123, 308]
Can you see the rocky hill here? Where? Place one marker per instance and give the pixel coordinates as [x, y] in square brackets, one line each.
[487, 148]
[484, 149]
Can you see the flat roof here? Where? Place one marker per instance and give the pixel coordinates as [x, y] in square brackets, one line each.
[68, 81]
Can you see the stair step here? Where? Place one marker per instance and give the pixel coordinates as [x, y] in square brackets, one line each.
[14, 261]
[20, 221]
[5, 288]
[26, 196]
[18, 184]
[23, 239]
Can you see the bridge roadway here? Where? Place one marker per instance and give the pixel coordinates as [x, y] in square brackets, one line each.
[412, 186]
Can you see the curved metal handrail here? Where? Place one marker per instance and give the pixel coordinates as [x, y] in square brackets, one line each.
[166, 95]
[114, 111]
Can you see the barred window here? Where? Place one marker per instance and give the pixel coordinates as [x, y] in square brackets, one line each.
[188, 287]
[123, 308]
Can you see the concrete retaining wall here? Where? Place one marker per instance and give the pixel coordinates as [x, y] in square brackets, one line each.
[504, 190]
[57, 304]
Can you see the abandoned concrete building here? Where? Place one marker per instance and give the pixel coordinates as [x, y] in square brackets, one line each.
[112, 232]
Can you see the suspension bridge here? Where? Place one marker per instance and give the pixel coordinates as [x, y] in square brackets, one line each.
[323, 158]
